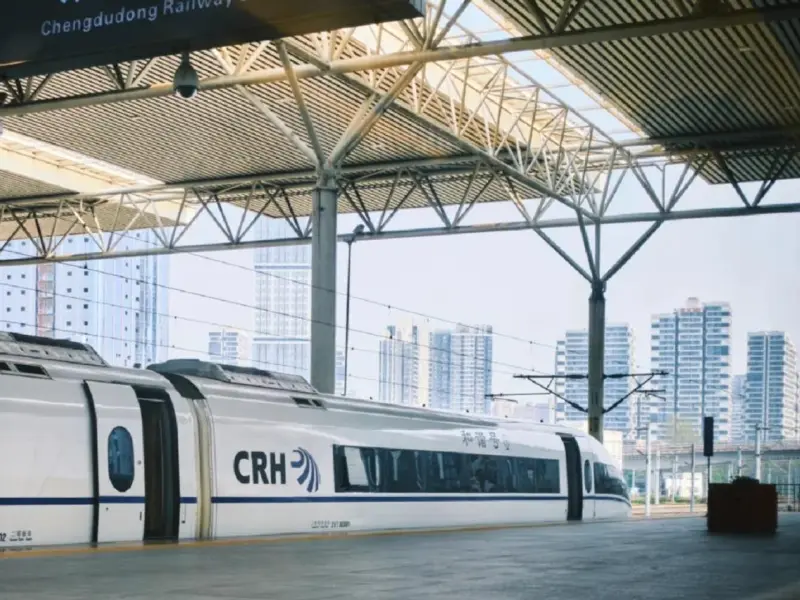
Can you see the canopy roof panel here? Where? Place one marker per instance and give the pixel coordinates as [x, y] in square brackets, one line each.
[18, 186]
[729, 88]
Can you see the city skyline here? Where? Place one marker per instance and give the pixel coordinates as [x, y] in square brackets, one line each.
[282, 339]
[160, 293]
[693, 344]
[118, 306]
[445, 369]
[572, 358]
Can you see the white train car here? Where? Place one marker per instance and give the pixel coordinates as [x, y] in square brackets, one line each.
[192, 450]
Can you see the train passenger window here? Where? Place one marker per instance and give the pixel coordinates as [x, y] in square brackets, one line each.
[587, 476]
[120, 459]
[421, 471]
[350, 474]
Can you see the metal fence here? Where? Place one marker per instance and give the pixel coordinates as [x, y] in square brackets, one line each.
[788, 496]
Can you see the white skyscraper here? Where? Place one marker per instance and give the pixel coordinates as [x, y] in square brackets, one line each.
[403, 360]
[283, 299]
[693, 344]
[771, 388]
[461, 369]
[572, 358]
[229, 347]
[118, 306]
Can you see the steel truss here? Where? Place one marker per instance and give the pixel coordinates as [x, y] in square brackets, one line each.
[375, 198]
[502, 137]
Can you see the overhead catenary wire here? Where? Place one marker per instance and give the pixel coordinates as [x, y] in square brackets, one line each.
[241, 304]
[531, 343]
[205, 353]
[198, 321]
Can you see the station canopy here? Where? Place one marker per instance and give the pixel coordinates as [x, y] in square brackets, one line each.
[441, 112]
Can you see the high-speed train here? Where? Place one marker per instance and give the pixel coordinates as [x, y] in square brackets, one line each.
[192, 450]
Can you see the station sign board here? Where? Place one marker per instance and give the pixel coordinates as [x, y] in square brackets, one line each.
[45, 36]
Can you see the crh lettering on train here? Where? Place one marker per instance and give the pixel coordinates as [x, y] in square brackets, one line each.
[259, 467]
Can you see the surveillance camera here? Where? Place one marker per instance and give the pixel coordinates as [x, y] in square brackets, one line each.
[186, 82]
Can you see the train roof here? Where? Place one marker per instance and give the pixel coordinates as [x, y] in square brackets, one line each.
[75, 361]
[66, 360]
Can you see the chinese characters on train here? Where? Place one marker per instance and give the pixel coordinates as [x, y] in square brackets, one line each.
[482, 439]
[16, 536]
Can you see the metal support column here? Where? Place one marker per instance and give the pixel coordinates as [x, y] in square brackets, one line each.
[323, 290]
[691, 484]
[597, 333]
[758, 452]
[739, 462]
[648, 472]
[674, 478]
[657, 477]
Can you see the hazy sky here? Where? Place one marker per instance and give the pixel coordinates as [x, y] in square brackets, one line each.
[517, 284]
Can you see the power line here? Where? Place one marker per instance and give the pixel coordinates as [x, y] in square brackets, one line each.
[86, 267]
[199, 321]
[204, 353]
[336, 291]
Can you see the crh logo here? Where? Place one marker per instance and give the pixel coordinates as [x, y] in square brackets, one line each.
[309, 475]
[259, 468]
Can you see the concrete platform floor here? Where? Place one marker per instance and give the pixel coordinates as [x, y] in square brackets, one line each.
[656, 559]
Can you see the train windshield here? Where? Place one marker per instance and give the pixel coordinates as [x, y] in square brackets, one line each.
[609, 480]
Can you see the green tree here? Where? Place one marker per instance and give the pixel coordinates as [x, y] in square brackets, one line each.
[681, 431]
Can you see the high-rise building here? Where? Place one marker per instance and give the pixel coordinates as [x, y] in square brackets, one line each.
[282, 341]
[737, 408]
[461, 369]
[572, 358]
[403, 359]
[797, 408]
[118, 306]
[229, 347]
[693, 344]
[771, 389]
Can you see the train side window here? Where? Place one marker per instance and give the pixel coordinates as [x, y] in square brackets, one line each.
[403, 471]
[372, 465]
[587, 476]
[547, 476]
[120, 459]
[356, 473]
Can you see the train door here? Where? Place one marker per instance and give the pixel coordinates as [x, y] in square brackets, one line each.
[135, 465]
[119, 485]
[574, 478]
[160, 438]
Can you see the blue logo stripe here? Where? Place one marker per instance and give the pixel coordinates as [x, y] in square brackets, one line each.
[46, 501]
[376, 498]
[53, 501]
[81, 501]
[310, 470]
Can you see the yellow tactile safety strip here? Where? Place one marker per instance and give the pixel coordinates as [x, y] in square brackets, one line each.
[67, 551]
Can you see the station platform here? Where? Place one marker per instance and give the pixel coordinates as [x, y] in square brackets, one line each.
[656, 559]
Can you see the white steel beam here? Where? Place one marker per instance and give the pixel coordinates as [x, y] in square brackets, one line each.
[51, 173]
[544, 224]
